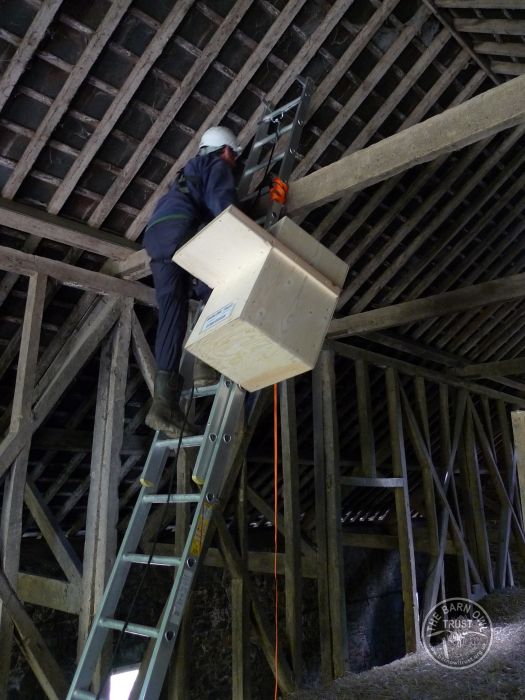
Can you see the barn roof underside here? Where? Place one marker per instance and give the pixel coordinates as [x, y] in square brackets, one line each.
[102, 102]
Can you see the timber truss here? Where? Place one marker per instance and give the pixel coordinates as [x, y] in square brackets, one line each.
[408, 436]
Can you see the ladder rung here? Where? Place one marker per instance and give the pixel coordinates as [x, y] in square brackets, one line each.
[131, 627]
[285, 108]
[156, 559]
[198, 392]
[173, 443]
[84, 695]
[172, 498]
[264, 164]
[272, 137]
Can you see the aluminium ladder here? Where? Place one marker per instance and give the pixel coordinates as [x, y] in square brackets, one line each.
[216, 452]
[214, 460]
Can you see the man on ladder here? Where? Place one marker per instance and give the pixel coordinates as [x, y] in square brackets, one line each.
[202, 190]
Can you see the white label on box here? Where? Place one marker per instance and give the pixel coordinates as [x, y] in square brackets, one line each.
[218, 317]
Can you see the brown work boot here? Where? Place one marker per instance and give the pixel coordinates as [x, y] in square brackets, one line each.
[165, 413]
[203, 374]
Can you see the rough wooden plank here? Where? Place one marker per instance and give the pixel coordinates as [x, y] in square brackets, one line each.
[503, 289]
[404, 87]
[240, 602]
[49, 593]
[518, 431]
[62, 101]
[372, 540]
[330, 442]
[54, 536]
[412, 26]
[237, 568]
[507, 68]
[27, 359]
[144, 64]
[494, 239]
[481, 4]
[404, 523]
[264, 46]
[366, 427]
[446, 21]
[503, 559]
[10, 540]
[384, 191]
[26, 48]
[58, 377]
[101, 523]
[446, 209]
[306, 52]
[480, 117]
[504, 48]
[55, 228]
[513, 27]
[475, 497]
[170, 110]
[292, 526]
[321, 531]
[23, 263]
[13, 496]
[142, 352]
[381, 360]
[134, 267]
[42, 663]
[503, 496]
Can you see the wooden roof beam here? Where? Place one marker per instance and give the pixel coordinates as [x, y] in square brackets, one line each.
[481, 4]
[483, 294]
[26, 49]
[72, 233]
[480, 117]
[362, 92]
[116, 11]
[512, 27]
[264, 47]
[508, 68]
[505, 48]
[42, 662]
[150, 54]
[501, 368]
[14, 260]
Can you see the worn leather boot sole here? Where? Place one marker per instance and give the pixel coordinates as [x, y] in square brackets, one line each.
[169, 422]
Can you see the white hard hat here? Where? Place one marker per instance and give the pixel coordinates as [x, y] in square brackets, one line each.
[218, 136]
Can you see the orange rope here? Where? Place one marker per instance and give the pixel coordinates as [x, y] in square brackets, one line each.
[275, 516]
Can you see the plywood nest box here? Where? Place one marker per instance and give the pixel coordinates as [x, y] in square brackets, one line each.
[273, 297]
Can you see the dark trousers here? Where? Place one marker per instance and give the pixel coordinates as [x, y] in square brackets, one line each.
[173, 286]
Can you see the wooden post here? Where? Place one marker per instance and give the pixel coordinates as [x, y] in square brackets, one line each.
[11, 519]
[240, 603]
[479, 541]
[435, 564]
[38, 656]
[364, 413]
[292, 526]
[503, 564]
[328, 516]
[102, 513]
[404, 523]
[518, 430]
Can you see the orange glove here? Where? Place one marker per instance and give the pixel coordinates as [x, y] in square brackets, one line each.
[278, 190]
